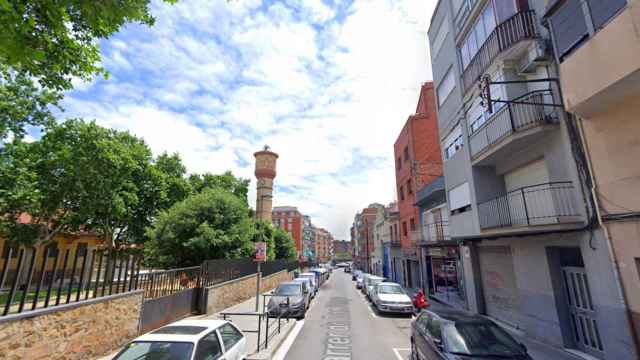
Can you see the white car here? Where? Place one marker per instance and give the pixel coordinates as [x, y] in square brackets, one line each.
[311, 276]
[308, 283]
[391, 298]
[189, 340]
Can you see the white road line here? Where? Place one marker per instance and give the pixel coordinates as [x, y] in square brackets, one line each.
[286, 345]
[366, 303]
[397, 352]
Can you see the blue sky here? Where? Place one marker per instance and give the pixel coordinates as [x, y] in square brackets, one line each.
[327, 84]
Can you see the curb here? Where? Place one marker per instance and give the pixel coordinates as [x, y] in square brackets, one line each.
[268, 353]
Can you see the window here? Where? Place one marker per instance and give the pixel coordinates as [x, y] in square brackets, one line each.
[446, 86]
[453, 142]
[412, 224]
[401, 193]
[406, 153]
[479, 33]
[459, 198]
[479, 115]
[434, 329]
[441, 34]
[409, 187]
[404, 228]
[422, 322]
[391, 232]
[230, 335]
[208, 348]
[399, 163]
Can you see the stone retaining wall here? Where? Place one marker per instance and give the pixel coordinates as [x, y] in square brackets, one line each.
[82, 330]
[229, 293]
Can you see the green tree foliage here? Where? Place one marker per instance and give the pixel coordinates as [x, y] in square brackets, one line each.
[264, 232]
[284, 245]
[79, 176]
[213, 224]
[237, 186]
[23, 103]
[56, 40]
[176, 185]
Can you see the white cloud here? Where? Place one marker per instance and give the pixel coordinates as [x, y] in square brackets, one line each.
[216, 80]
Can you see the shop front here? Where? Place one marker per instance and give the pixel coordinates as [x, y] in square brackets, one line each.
[443, 272]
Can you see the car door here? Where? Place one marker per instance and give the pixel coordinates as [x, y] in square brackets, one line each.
[235, 344]
[419, 336]
[209, 348]
[434, 338]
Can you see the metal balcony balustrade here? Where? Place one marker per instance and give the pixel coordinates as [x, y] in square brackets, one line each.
[432, 232]
[521, 26]
[542, 204]
[512, 118]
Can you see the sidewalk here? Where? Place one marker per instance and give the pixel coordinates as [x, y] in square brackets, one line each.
[250, 323]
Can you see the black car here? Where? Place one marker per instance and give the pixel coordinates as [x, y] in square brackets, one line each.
[289, 299]
[452, 334]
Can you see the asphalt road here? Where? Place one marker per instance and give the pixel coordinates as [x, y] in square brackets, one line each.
[341, 325]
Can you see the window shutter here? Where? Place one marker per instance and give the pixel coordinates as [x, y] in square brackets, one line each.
[459, 197]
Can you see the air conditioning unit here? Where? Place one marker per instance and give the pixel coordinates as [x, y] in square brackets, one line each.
[537, 55]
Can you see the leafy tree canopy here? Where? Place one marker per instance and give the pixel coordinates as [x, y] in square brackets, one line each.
[284, 245]
[213, 224]
[237, 186]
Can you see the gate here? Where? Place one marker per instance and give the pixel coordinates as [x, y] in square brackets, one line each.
[583, 314]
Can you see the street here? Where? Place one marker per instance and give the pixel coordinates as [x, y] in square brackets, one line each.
[341, 325]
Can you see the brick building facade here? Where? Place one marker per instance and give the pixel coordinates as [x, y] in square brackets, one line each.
[291, 220]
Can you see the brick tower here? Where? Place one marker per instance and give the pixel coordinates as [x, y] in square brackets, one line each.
[265, 173]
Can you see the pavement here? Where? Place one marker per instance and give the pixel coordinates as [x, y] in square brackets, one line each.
[343, 325]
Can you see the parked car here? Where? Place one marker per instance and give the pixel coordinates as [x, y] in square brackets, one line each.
[355, 274]
[390, 297]
[365, 282]
[313, 277]
[454, 334]
[306, 283]
[371, 282]
[360, 280]
[188, 340]
[289, 299]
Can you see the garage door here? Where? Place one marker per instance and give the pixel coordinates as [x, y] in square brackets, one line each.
[499, 283]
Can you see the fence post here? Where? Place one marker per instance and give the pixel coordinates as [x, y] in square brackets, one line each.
[12, 292]
[41, 282]
[524, 202]
[259, 330]
[29, 278]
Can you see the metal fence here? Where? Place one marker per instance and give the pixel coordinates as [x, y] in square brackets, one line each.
[34, 278]
[39, 278]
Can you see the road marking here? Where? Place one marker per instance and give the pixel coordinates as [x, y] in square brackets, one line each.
[288, 342]
[398, 350]
[368, 306]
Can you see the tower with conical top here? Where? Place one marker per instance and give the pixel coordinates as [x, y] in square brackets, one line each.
[265, 173]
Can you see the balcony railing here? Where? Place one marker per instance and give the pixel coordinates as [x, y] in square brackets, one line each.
[511, 118]
[432, 232]
[520, 26]
[543, 204]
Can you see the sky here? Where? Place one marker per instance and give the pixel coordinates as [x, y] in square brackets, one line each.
[327, 84]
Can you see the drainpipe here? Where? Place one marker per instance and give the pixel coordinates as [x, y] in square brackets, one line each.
[622, 293]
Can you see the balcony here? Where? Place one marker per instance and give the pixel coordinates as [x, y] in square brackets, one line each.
[511, 119]
[431, 233]
[519, 27]
[543, 204]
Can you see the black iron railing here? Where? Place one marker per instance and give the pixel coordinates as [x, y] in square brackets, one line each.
[432, 232]
[543, 204]
[43, 277]
[520, 26]
[511, 118]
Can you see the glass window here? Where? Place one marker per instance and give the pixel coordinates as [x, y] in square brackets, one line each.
[288, 289]
[230, 335]
[480, 338]
[406, 153]
[156, 350]
[390, 289]
[208, 348]
[401, 193]
[412, 224]
[453, 142]
[447, 84]
[434, 329]
[489, 19]
[441, 34]
[423, 321]
[464, 54]
[409, 187]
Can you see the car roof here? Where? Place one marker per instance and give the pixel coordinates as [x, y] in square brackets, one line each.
[388, 283]
[182, 331]
[375, 277]
[302, 279]
[458, 316]
[289, 283]
[308, 274]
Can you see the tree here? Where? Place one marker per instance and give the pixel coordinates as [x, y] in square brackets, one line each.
[83, 177]
[213, 224]
[264, 232]
[285, 247]
[56, 40]
[172, 171]
[237, 186]
[23, 103]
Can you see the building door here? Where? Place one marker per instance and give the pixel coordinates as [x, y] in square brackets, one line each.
[500, 290]
[583, 315]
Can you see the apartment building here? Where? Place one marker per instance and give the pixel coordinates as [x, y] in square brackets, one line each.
[385, 232]
[417, 160]
[308, 239]
[363, 236]
[597, 46]
[515, 185]
[290, 219]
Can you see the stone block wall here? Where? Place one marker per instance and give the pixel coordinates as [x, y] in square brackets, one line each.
[224, 295]
[77, 331]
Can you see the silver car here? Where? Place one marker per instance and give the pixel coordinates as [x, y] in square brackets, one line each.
[307, 283]
[370, 283]
[314, 281]
[290, 299]
[390, 297]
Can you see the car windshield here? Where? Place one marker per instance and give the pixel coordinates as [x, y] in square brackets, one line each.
[288, 289]
[158, 350]
[390, 289]
[372, 282]
[479, 339]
